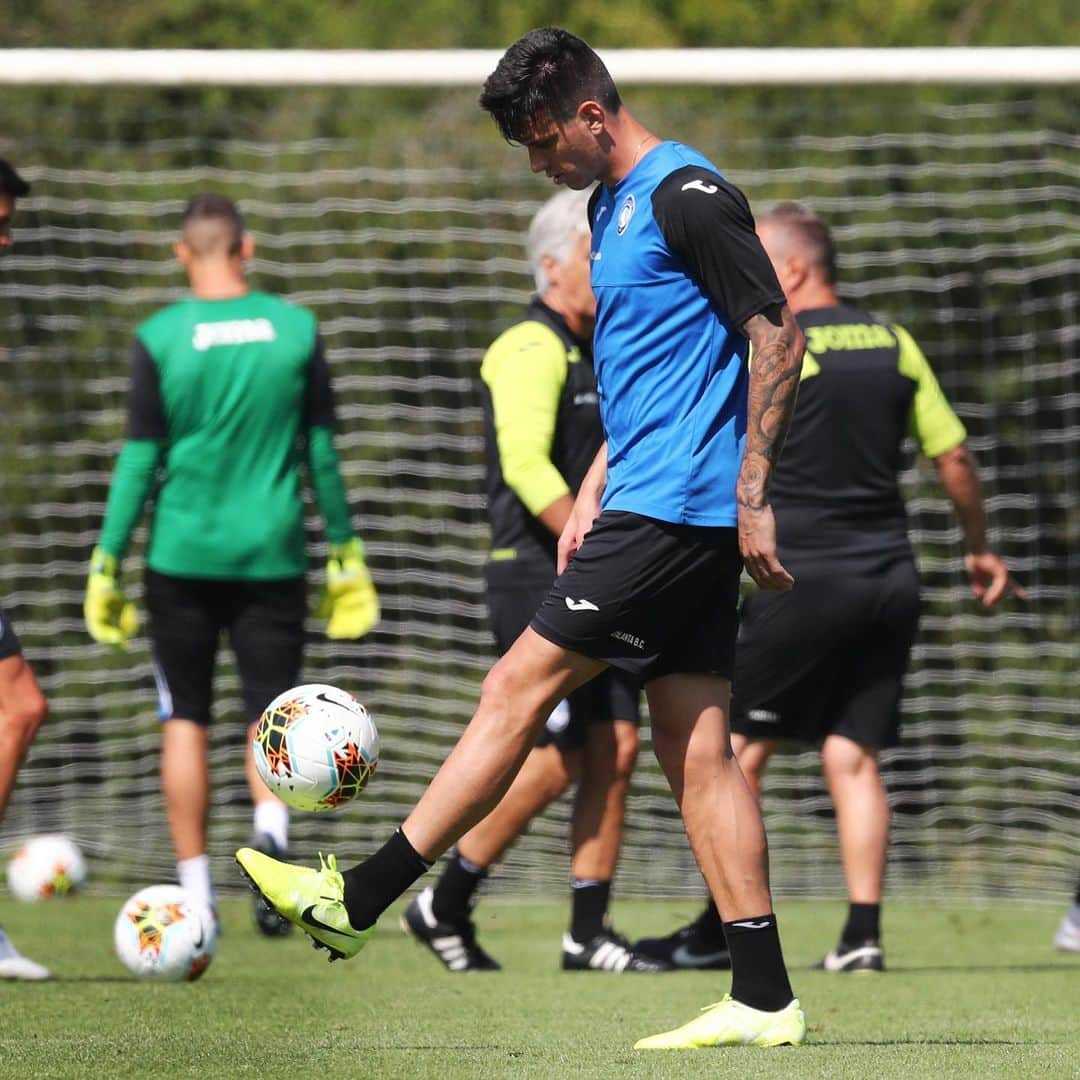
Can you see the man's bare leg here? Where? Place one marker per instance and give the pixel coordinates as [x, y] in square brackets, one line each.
[516, 698]
[862, 815]
[722, 818]
[441, 917]
[600, 803]
[22, 712]
[753, 758]
[546, 774]
[862, 824]
[185, 783]
[723, 822]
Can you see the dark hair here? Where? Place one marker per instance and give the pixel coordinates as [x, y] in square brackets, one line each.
[542, 78]
[215, 208]
[11, 183]
[811, 232]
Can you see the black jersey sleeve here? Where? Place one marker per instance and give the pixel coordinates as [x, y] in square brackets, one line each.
[707, 223]
[146, 411]
[319, 406]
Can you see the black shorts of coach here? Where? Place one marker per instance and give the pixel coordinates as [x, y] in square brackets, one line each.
[9, 640]
[613, 695]
[828, 657]
[648, 597]
[263, 620]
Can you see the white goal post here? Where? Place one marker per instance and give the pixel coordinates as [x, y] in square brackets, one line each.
[381, 198]
[468, 67]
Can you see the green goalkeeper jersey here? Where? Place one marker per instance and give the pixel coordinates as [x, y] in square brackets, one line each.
[228, 400]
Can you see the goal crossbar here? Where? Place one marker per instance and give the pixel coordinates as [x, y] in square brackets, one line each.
[468, 67]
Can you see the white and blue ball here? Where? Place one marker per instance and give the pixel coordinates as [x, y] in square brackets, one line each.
[316, 747]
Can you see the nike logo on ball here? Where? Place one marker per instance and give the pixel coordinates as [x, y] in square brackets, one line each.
[323, 696]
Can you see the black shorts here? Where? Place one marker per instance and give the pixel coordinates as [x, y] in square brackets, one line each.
[648, 597]
[613, 695]
[265, 624]
[9, 640]
[829, 657]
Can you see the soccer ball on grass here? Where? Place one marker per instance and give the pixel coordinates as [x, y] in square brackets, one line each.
[162, 933]
[45, 867]
[315, 747]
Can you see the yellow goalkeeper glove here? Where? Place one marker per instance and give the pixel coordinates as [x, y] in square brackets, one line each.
[349, 602]
[110, 618]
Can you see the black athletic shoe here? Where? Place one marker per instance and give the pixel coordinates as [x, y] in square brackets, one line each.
[607, 951]
[864, 956]
[269, 922]
[453, 943]
[687, 949]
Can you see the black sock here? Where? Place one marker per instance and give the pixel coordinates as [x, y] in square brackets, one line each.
[758, 976]
[376, 883]
[1076, 898]
[711, 926]
[454, 892]
[863, 924]
[588, 908]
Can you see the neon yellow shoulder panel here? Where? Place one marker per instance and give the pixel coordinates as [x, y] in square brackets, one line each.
[932, 422]
[525, 371]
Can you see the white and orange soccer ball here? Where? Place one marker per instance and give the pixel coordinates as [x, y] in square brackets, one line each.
[162, 933]
[316, 747]
[46, 866]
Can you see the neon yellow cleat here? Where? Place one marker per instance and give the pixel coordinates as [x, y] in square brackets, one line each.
[731, 1023]
[312, 899]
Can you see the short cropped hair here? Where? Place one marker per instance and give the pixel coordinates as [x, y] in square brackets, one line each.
[212, 223]
[542, 79]
[810, 233]
[553, 230]
[11, 183]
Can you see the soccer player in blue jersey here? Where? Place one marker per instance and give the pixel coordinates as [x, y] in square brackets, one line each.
[675, 503]
[824, 664]
[22, 704]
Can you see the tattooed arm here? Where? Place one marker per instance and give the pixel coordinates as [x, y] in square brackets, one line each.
[776, 360]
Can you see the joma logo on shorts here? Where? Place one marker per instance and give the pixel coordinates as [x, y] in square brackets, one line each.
[763, 716]
[629, 639]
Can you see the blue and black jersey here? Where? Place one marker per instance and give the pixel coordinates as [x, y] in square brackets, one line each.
[677, 269]
[865, 388]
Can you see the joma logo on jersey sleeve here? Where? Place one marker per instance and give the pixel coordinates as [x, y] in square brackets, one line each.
[232, 332]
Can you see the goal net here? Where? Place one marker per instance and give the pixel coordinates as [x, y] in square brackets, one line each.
[398, 216]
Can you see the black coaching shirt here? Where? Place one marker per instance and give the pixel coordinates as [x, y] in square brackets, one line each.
[865, 387]
[542, 430]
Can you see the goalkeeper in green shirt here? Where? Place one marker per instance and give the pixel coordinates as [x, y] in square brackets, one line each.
[230, 397]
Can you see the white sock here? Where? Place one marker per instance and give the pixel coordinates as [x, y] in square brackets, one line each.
[272, 818]
[194, 875]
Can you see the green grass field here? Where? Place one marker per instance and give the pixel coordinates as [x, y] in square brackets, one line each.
[970, 992]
